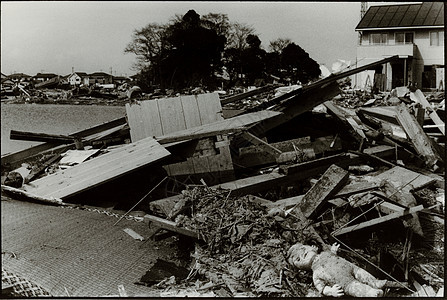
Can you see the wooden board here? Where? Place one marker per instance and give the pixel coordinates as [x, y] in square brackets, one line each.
[378, 220]
[99, 170]
[419, 97]
[329, 183]
[416, 134]
[218, 127]
[170, 225]
[406, 180]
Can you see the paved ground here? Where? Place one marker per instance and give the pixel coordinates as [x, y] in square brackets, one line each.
[78, 251]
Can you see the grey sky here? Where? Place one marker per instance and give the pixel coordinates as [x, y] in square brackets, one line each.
[55, 36]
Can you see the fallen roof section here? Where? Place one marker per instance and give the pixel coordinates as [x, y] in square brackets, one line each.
[99, 170]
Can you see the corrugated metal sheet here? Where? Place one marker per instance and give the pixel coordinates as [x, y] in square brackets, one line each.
[99, 170]
[404, 15]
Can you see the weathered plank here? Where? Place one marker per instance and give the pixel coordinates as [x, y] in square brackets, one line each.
[220, 127]
[345, 120]
[257, 141]
[419, 97]
[170, 225]
[251, 93]
[406, 180]
[40, 137]
[328, 184]
[357, 187]
[386, 113]
[99, 170]
[419, 139]
[378, 220]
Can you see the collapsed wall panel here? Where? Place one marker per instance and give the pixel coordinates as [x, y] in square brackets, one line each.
[161, 117]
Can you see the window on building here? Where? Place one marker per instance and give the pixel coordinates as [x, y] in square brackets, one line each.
[403, 37]
[409, 38]
[437, 38]
[378, 38]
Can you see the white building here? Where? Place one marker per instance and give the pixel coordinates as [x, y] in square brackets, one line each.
[415, 32]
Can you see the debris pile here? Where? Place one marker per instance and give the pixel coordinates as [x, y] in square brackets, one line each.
[249, 175]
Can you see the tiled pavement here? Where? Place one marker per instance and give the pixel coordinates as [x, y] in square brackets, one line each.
[79, 251]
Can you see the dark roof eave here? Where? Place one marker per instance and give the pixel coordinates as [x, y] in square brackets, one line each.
[399, 27]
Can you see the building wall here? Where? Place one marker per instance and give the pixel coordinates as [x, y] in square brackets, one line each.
[421, 52]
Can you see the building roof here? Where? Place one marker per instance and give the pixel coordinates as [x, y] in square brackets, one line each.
[19, 75]
[80, 74]
[45, 75]
[426, 14]
[100, 74]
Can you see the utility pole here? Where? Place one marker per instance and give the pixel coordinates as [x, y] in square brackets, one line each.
[363, 9]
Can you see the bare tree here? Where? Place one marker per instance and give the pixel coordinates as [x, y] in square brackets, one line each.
[218, 22]
[238, 34]
[147, 44]
[279, 44]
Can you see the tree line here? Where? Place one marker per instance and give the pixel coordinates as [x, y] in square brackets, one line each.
[193, 50]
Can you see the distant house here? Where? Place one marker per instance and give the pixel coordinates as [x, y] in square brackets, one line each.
[100, 78]
[414, 32]
[65, 79]
[120, 80]
[78, 78]
[41, 77]
[21, 77]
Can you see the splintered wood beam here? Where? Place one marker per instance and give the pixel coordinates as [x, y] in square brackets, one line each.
[170, 225]
[345, 120]
[378, 220]
[329, 183]
[257, 141]
[254, 92]
[419, 97]
[420, 141]
[40, 137]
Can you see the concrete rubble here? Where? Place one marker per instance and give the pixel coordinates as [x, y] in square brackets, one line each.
[267, 170]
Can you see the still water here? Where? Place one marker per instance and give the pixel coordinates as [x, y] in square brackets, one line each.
[51, 119]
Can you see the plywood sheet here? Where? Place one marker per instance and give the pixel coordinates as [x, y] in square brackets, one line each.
[99, 170]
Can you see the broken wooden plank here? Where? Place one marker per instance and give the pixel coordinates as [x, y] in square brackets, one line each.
[377, 221]
[40, 137]
[345, 120]
[324, 162]
[295, 149]
[36, 171]
[99, 170]
[257, 141]
[386, 113]
[419, 139]
[170, 225]
[419, 97]
[357, 187]
[251, 93]
[133, 234]
[328, 184]
[31, 196]
[234, 124]
[405, 179]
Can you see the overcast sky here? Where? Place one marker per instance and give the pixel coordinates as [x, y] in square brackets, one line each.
[54, 36]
